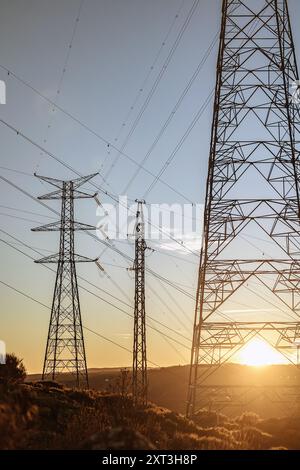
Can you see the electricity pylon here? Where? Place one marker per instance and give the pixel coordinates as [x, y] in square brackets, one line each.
[139, 368]
[252, 193]
[65, 350]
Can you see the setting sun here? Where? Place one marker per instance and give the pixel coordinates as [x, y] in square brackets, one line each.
[259, 353]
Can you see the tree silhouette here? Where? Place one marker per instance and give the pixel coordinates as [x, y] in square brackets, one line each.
[13, 370]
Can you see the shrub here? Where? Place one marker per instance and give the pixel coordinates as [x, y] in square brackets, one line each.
[13, 371]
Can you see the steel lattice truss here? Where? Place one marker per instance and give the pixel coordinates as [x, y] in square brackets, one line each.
[139, 372]
[65, 350]
[238, 398]
[252, 182]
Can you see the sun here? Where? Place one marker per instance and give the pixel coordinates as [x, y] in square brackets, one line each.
[259, 353]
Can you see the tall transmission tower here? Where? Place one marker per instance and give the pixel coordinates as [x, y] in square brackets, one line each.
[65, 350]
[139, 368]
[252, 192]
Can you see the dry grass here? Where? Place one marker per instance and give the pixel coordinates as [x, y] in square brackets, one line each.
[49, 416]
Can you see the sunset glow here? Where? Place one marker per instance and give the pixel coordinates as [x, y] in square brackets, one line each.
[259, 353]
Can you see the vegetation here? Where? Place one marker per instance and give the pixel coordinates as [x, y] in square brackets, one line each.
[13, 371]
[49, 416]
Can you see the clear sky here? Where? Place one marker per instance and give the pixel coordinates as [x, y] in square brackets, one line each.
[115, 66]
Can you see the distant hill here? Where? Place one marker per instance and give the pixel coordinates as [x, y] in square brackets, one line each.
[168, 388]
[50, 416]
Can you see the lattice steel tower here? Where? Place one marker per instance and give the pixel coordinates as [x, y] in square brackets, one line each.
[251, 218]
[65, 350]
[139, 368]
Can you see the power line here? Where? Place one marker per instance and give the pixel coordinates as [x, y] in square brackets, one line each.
[25, 211]
[166, 305]
[104, 242]
[31, 175]
[103, 289]
[55, 105]
[20, 218]
[156, 83]
[26, 193]
[85, 280]
[17, 291]
[180, 143]
[148, 75]
[69, 167]
[109, 340]
[64, 68]
[92, 293]
[173, 112]
[24, 173]
[25, 295]
[38, 251]
[83, 125]
[124, 255]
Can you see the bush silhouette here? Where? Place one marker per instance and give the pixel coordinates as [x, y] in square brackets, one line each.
[43, 415]
[13, 371]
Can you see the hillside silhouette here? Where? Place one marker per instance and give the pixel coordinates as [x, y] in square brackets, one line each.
[51, 416]
[273, 380]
